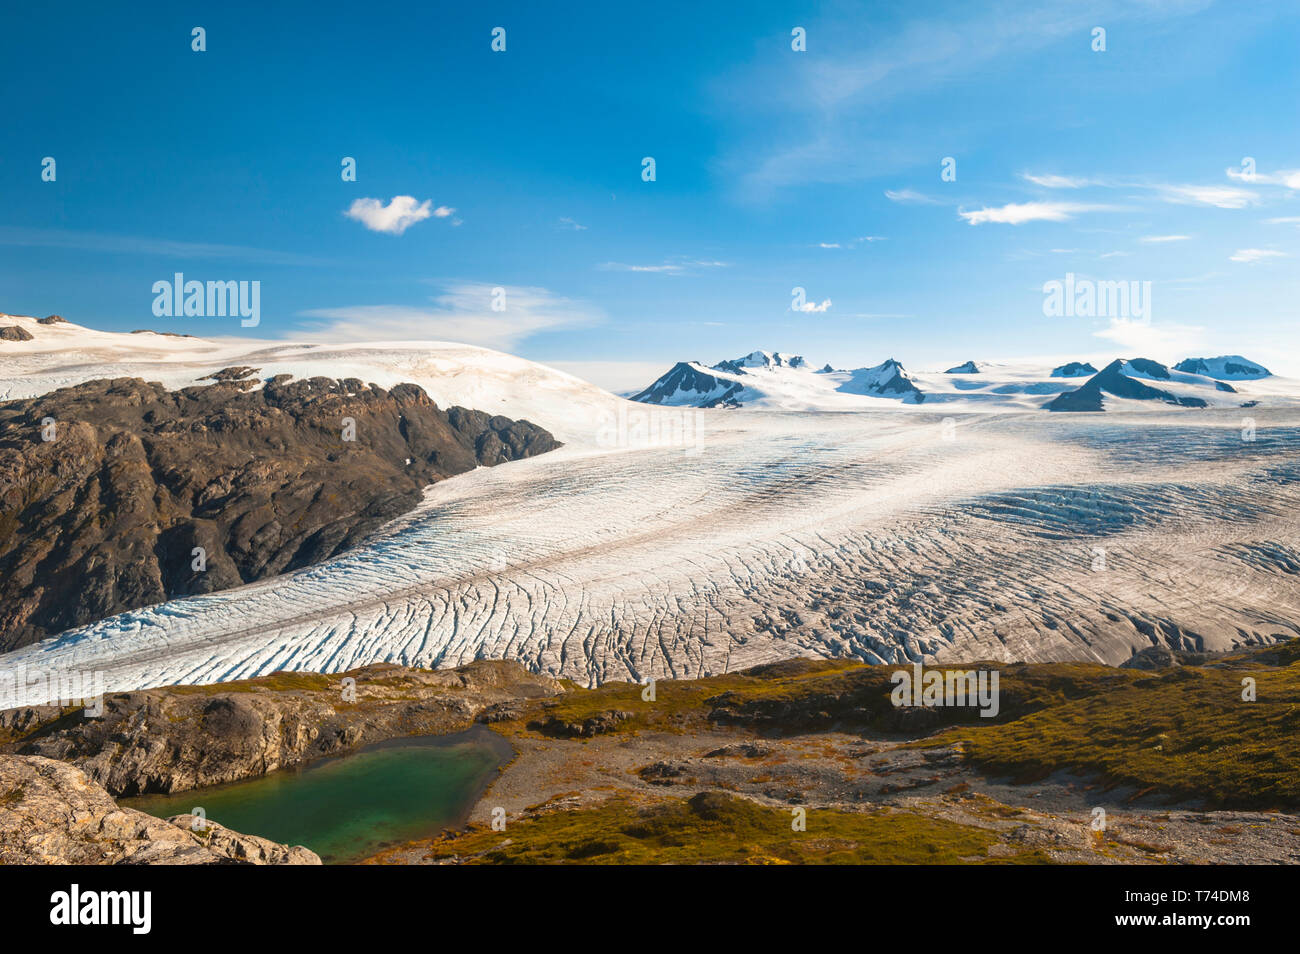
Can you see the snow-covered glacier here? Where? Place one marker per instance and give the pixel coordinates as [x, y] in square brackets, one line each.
[735, 537]
[882, 537]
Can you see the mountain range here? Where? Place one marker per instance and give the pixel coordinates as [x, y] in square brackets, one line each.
[782, 381]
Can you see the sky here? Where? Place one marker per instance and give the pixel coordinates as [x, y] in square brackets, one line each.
[920, 170]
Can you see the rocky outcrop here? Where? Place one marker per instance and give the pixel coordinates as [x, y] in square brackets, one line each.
[1115, 380]
[184, 737]
[599, 724]
[1073, 369]
[117, 494]
[51, 813]
[15, 333]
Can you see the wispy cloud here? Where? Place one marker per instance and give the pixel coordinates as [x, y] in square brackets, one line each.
[1253, 256]
[1283, 177]
[134, 245]
[910, 195]
[1018, 213]
[821, 101]
[813, 307]
[1219, 196]
[1143, 339]
[568, 223]
[401, 212]
[1164, 238]
[620, 377]
[1284, 220]
[1056, 182]
[854, 243]
[464, 312]
[624, 267]
[674, 267]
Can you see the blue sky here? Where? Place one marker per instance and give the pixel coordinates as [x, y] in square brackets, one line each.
[775, 169]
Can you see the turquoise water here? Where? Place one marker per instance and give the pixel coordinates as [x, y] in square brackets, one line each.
[347, 808]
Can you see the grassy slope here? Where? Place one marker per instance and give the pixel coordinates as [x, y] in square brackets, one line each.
[718, 828]
[1183, 731]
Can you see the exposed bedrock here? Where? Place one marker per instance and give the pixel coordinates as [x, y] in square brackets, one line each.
[110, 489]
[53, 814]
[185, 737]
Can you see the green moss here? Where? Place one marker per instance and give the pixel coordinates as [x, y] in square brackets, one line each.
[714, 827]
[859, 697]
[1185, 731]
[679, 705]
[276, 682]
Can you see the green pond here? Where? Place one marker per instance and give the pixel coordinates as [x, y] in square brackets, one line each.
[348, 807]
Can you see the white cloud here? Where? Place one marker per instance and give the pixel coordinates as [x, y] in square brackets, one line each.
[568, 223]
[820, 101]
[134, 245]
[620, 377]
[1017, 213]
[853, 243]
[1283, 177]
[622, 267]
[1284, 220]
[401, 212]
[909, 195]
[1143, 339]
[1222, 197]
[1164, 238]
[667, 268]
[1251, 256]
[463, 312]
[1055, 182]
[809, 306]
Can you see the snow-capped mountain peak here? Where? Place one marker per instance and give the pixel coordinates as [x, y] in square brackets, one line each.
[773, 379]
[761, 359]
[1074, 369]
[1228, 367]
[1126, 380]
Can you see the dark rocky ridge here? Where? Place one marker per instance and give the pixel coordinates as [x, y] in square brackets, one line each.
[1073, 369]
[104, 518]
[684, 377]
[1112, 380]
[185, 737]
